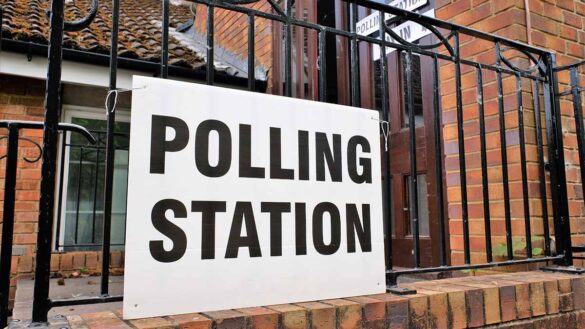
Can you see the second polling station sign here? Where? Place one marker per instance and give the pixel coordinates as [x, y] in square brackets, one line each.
[239, 199]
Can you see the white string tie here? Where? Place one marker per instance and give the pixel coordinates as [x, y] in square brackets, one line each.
[385, 126]
[116, 92]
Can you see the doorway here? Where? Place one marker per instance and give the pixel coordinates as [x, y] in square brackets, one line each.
[401, 177]
[402, 196]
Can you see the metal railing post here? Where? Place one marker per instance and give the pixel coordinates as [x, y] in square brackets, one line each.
[8, 223]
[557, 167]
[111, 145]
[50, 136]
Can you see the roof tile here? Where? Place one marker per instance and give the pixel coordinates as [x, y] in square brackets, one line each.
[139, 25]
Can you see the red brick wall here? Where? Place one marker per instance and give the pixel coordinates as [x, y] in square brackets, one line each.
[22, 99]
[231, 32]
[556, 25]
[502, 18]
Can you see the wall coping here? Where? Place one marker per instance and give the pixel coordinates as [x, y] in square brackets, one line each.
[532, 299]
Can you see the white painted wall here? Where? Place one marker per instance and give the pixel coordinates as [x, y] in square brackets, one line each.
[73, 72]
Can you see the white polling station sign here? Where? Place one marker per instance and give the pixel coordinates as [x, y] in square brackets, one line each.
[409, 31]
[371, 23]
[239, 199]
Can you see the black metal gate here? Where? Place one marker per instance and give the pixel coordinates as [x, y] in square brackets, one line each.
[537, 80]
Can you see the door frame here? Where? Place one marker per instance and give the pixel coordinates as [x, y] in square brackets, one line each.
[69, 112]
[367, 90]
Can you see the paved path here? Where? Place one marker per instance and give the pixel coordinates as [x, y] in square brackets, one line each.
[73, 288]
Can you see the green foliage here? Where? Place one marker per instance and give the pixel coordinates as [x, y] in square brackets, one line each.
[499, 250]
[536, 251]
[84, 270]
[518, 245]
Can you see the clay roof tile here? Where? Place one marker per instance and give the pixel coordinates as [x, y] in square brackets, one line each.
[140, 28]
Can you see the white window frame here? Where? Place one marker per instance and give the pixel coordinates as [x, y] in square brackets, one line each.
[70, 112]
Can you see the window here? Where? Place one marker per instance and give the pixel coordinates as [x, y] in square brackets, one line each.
[81, 210]
[422, 205]
[416, 75]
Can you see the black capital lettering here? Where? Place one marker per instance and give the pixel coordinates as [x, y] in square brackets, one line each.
[301, 228]
[303, 155]
[168, 229]
[275, 209]
[333, 159]
[318, 238]
[365, 163]
[243, 214]
[354, 225]
[202, 148]
[159, 145]
[246, 169]
[208, 209]
[276, 170]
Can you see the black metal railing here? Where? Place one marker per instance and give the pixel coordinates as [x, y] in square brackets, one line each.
[14, 128]
[505, 74]
[573, 91]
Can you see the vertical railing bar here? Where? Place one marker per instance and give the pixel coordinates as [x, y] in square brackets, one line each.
[504, 152]
[387, 185]
[1, 25]
[525, 192]
[578, 112]
[78, 201]
[413, 201]
[322, 65]
[558, 178]
[541, 167]
[50, 135]
[95, 186]
[8, 222]
[210, 45]
[413, 163]
[251, 53]
[439, 163]
[546, 91]
[312, 52]
[461, 142]
[288, 49]
[484, 171]
[299, 51]
[110, 153]
[164, 65]
[354, 58]
[60, 198]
